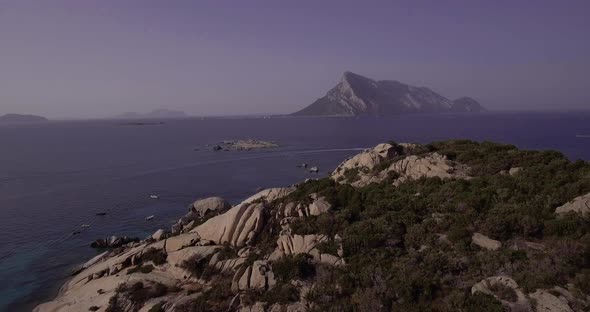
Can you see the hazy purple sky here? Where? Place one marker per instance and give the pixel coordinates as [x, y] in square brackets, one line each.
[98, 58]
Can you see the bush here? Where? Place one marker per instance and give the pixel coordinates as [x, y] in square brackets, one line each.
[158, 307]
[157, 256]
[503, 292]
[199, 266]
[136, 294]
[282, 294]
[293, 267]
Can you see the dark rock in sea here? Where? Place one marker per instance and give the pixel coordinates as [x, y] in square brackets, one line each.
[358, 95]
[216, 148]
[101, 214]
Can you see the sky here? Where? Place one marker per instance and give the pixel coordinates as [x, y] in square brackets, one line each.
[92, 59]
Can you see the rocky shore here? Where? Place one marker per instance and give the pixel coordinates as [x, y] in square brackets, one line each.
[331, 245]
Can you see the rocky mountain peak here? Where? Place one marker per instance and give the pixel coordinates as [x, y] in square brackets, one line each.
[359, 95]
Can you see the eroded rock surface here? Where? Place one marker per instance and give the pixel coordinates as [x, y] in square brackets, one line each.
[396, 162]
[579, 205]
[237, 227]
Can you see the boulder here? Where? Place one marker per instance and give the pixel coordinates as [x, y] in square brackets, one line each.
[514, 171]
[579, 205]
[432, 165]
[547, 302]
[90, 263]
[212, 204]
[318, 207]
[238, 226]
[181, 241]
[490, 285]
[289, 244]
[485, 242]
[407, 168]
[159, 235]
[256, 276]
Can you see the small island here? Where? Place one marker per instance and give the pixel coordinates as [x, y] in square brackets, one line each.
[19, 118]
[243, 145]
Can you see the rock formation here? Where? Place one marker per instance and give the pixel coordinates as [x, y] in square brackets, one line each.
[386, 160]
[358, 95]
[579, 205]
[485, 242]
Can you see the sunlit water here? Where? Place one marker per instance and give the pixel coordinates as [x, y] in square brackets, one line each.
[55, 177]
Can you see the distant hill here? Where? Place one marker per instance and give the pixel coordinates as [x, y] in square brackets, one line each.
[358, 95]
[159, 113]
[18, 118]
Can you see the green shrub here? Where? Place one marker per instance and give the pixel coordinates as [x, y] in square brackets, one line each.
[281, 294]
[293, 267]
[199, 266]
[137, 294]
[158, 307]
[157, 256]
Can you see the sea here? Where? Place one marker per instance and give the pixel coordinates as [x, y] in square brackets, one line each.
[56, 176]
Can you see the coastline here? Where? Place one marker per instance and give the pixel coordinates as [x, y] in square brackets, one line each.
[217, 254]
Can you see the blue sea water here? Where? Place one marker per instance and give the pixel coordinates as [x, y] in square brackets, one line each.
[56, 176]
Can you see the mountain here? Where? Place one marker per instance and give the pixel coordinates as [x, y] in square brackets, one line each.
[159, 113]
[18, 118]
[358, 95]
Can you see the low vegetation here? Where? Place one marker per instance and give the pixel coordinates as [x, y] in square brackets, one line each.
[396, 259]
[131, 297]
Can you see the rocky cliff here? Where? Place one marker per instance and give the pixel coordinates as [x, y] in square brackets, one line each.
[449, 226]
[358, 95]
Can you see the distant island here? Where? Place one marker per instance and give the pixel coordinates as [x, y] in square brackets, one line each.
[19, 118]
[357, 95]
[159, 113]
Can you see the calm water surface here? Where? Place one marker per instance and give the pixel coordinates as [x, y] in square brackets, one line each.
[55, 177]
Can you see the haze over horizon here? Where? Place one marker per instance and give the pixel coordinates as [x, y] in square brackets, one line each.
[92, 59]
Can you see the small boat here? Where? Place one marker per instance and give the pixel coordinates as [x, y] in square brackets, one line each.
[149, 218]
[85, 225]
[101, 214]
[154, 197]
[76, 232]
